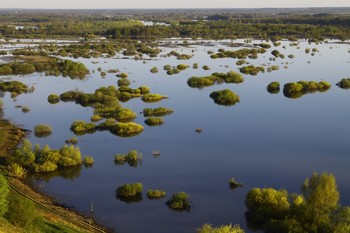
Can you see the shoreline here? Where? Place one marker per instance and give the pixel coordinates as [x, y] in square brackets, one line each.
[12, 135]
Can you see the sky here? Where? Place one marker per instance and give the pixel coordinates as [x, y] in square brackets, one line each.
[122, 4]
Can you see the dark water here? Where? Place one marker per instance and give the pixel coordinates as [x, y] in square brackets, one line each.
[264, 141]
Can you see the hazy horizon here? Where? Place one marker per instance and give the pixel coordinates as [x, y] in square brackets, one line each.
[159, 4]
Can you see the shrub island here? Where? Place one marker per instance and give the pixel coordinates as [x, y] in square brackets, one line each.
[179, 201]
[154, 121]
[225, 97]
[273, 87]
[158, 112]
[155, 194]
[42, 130]
[297, 89]
[132, 158]
[215, 78]
[344, 83]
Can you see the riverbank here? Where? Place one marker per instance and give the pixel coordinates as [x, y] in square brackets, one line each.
[55, 217]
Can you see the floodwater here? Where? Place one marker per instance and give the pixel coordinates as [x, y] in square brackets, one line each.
[266, 140]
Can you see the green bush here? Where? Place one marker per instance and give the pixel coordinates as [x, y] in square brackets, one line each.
[4, 194]
[144, 90]
[123, 82]
[225, 97]
[17, 170]
[1, 104]
[132, 158]
[205, 67]
[42, 130]
[195, 66]
[126, 129]
[158, 112]
[152, 98]
[88, 160]
[234, 184]
[344, 83]
[72, 140]
[14, 87]
[179, 201]
[154, 70]
[206, 228]
[103, 74]
[129, 189]
[81, 126]
[95, 118]
[273, 87]
[182, 66]
[155, 194]
[122, 75]
[153, 121]
[167, 67]
[296, 90]
[252, 70]
[125, 114]
[53, 99]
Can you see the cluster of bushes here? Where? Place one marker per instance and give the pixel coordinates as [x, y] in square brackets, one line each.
[344, 83]
[15, 87]
[53, 99]
[207, 228]
[273, 87]
[297, 89]
[225, 97]
[42, 130]
[154, 70]
[154, 121]
[155, 194]
[179, 201]
[215, 78]
[179, 56]
[44, 159]
[130, 192]
[234, 184]
[317, 209]
[126, 129]
[240, 54]
[149, 98]
[158, 112]
[132, 158]
[51, 66]
[252, 70]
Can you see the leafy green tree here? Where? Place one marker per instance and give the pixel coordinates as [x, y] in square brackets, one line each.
[321, 200]
[207, 228]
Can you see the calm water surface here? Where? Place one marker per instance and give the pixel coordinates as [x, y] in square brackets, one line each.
[264, 141]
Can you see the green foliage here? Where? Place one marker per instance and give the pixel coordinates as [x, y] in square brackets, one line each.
[81, 126]
[22, 213]
[234, 184]
[275, 53]
[14, 87]
[154, 70]
[195, 66]
[240, 54]
[144, 90]
[126, 129]
[95, 118]
[182, 66]
[132, 158]
[17, 170]
[88, 160]
[344, 83]
[45, 159]
[158, 112]
[122, 75]
[1, 104]
[129, 189]
[73, 140]
[273, 87]
[225, 97]
[153, 121]
[252, 70]
[296, 90]
[215, 78]
[155, 194]
[149, 98]
[123, 82]
[179, 201]
[42, 130]
[53, 99]
[205, 67]
[103, 74]
[206, 228]
[316, 210]
[4, 194]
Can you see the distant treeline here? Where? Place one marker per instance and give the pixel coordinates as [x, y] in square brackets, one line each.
[211, 26]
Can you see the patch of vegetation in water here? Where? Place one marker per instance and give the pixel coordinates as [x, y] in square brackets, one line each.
[42, 130]
[344, 83]
[155, 194]
[44, 159]
[273, 87]
[316, 209]
[154, 121]
[225, 97]
[240, 54]
[130, 192]
[150, 98]
[157, 112]
[179, 202]
[234, 184]
[133, 158]
[252, 70]
[215, 78]
[53, 98]
[15, 87]
[297, 89]
[179, 56]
